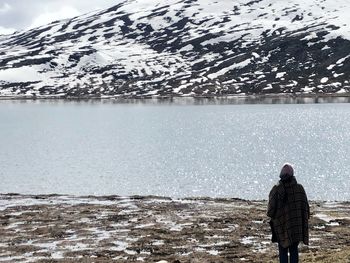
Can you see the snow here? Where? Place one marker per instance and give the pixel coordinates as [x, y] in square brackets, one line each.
[187, 48]
[342, 91]
[23, 74]
[333, 224]
[336, 84]
[183, 86]
[158, 243]
[145, 9]
[221, 72]
[120, 245]
[280, 74]
[268, 87]
[337, 75]
[308, 89]
[324, 80]
[213, 252]
[340, 61]
[324, 217]
[247, 240]
[144, 225]
[330, 67]
[256, 55]
[7, 203]
[312, 35]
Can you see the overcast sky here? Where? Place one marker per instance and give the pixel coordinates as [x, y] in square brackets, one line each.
[25, 14]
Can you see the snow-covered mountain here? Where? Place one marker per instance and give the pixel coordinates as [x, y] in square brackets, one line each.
[144, 48]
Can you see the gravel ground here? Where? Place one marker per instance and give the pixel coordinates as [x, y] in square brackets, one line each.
[54, 228]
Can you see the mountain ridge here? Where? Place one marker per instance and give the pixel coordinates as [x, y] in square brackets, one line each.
[183, 48]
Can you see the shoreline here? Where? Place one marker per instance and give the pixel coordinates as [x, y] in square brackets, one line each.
[297, 97]
[148, 196]
[62, 228]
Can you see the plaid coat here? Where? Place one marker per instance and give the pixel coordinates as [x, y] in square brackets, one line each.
[289, 211]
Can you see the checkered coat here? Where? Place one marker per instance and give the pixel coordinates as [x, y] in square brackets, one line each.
[289, 211]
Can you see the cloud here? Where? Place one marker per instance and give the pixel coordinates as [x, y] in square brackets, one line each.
[6, 31]
[48, 17]
[5, 8]
[24, 14]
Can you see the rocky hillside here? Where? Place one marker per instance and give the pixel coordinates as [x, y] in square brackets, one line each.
[152, 48]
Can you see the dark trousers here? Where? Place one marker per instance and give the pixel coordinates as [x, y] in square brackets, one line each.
[293, 252]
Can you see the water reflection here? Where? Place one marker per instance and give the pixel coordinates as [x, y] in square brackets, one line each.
[189, 100]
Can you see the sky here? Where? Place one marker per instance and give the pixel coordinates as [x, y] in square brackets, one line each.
[25, 14]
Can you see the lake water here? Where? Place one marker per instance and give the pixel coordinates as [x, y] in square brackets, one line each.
[173, 148]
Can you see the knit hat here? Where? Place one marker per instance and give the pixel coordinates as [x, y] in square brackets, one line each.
[287, 171]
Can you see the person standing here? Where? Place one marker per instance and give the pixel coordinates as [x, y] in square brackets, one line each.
[289, 211]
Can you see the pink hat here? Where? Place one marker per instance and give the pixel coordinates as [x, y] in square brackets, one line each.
[287, 170]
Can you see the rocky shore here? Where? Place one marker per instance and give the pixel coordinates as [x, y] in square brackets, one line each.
[54, 228]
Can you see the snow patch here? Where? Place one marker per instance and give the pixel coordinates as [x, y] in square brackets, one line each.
[23, 74]
[280, 74]
[324, 80]
[221, 72]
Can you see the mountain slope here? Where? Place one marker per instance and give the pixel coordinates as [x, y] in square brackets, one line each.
[144, 48]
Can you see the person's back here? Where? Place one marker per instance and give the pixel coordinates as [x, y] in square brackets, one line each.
[289, 211]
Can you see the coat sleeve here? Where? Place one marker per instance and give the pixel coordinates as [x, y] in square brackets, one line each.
[272, 206]
[307, 202]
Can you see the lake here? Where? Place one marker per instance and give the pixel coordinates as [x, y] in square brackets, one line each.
[173, 148]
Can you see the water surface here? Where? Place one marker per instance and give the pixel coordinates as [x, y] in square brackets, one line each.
[173, 149]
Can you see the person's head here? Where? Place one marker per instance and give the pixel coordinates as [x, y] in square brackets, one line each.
[287, 171]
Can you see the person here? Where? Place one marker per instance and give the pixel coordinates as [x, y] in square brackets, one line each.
[289, 211]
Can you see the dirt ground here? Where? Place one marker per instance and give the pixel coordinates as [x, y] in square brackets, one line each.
[151, 229]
